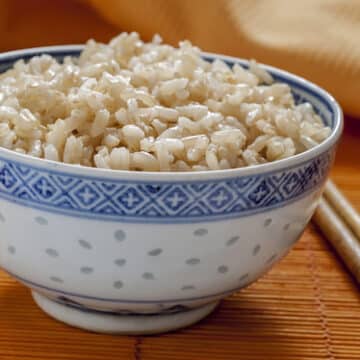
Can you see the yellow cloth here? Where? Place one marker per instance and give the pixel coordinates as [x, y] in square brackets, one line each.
[317, 39]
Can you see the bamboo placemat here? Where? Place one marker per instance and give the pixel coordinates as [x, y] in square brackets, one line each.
[306, 308]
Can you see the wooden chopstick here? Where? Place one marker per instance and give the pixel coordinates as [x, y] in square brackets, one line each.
[346, 244]
[343, 207]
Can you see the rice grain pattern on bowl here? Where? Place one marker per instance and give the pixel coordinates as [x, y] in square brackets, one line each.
[147, 252]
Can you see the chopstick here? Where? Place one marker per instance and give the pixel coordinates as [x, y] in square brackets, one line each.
[339, 222]
[343, 207]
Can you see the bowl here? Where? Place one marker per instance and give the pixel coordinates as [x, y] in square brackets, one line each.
[140, 252]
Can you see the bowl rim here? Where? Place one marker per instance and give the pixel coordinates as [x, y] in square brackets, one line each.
[140, 176]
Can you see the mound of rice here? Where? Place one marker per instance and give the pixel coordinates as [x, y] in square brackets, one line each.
[130, 105]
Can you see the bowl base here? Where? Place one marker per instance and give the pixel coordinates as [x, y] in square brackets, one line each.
[97, 321]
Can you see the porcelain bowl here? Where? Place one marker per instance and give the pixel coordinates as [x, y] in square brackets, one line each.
[130, 252]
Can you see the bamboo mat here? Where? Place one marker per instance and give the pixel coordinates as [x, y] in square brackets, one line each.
[307, 307]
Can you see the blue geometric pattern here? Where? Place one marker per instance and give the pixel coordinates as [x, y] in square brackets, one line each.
[191, 201]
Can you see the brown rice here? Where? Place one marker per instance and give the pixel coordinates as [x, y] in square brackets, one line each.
[130, 105]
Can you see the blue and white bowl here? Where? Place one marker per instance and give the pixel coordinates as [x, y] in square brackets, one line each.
[130, 252]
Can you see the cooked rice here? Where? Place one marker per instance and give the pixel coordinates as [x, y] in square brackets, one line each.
[130, 105]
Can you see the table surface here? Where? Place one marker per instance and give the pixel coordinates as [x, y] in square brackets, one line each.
[307, 307]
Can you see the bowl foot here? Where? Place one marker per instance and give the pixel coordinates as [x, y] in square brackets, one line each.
[137, 324]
